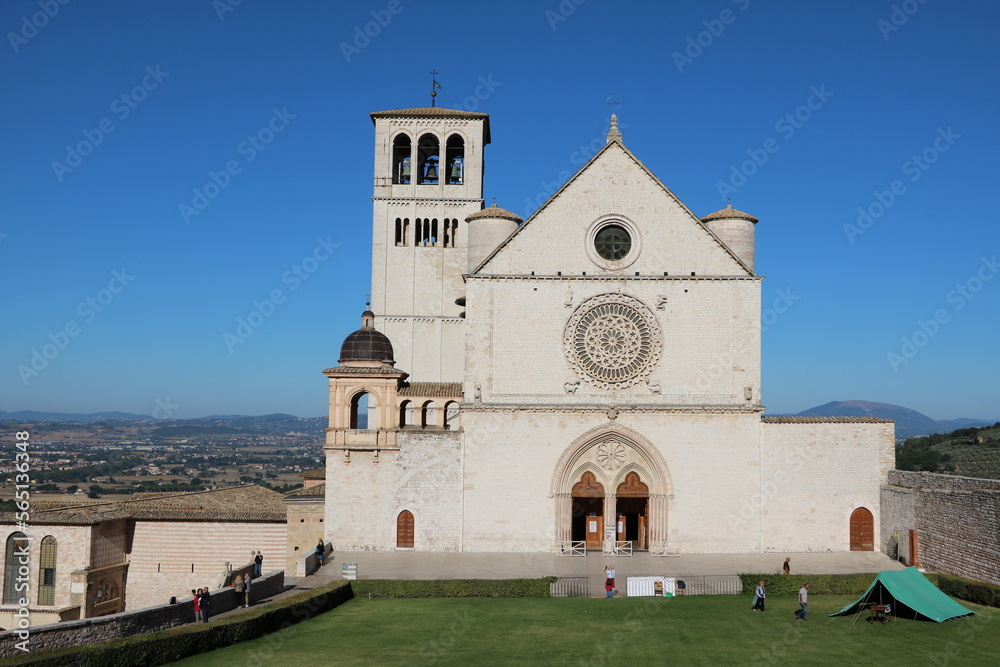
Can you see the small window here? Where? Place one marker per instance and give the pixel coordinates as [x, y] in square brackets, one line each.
[402, 231]
[613, 243]
[47, 572]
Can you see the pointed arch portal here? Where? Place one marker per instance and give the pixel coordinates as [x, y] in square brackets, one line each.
[612, 485]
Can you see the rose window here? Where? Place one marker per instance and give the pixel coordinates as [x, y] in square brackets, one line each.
[612, 341]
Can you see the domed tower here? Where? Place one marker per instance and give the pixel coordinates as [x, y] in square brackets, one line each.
[363, 391]
[736, 230]
[489, 228]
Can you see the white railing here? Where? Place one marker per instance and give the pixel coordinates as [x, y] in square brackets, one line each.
[570, 548]
[612, 548]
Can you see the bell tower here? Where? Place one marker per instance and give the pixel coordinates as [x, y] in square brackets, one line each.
[428, 179]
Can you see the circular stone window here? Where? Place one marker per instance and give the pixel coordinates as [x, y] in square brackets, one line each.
[613, 243]
[612, 341]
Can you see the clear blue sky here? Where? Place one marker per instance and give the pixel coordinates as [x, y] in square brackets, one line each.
[197, 86]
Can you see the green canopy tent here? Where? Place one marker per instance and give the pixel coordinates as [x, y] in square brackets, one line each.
[911, 596]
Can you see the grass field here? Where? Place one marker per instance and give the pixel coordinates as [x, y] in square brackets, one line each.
[699, 630]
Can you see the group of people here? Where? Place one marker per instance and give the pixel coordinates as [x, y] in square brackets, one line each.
[203, 597]
[760, 593]
[202, 603]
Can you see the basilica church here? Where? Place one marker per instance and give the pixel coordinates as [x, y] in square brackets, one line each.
[588, 378]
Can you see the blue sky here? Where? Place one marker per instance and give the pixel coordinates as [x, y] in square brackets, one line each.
[117, 112]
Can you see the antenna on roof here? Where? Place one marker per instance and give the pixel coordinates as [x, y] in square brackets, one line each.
[434, 86]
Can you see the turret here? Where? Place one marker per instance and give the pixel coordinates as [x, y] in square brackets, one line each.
[489, 228]
[736, 230]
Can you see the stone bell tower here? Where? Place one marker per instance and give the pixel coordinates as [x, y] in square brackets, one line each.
[428, 179]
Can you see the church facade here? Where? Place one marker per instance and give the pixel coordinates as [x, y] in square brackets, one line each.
[590, 377]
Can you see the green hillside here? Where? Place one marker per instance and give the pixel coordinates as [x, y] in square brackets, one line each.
[972, 452]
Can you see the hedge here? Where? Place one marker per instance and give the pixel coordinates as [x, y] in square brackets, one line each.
[819, 584]
[167, 646]
[970, 590]
[453, 588]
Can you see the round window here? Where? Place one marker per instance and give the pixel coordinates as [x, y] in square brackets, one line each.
[613, 243]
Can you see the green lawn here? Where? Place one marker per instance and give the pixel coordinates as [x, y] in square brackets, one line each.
[699, 630]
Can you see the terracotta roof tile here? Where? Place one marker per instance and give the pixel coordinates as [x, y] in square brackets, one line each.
[434, 389]
[728, 213]
[495, 212]
[826, 420]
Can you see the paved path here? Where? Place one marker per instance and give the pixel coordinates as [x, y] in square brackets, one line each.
[438, 565]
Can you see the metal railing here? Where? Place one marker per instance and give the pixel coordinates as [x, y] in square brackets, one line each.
[711, 584]
[573, 548]
[570, 587]
[612, 548]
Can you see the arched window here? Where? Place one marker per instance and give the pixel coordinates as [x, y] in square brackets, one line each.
[402, 159]
[428, 415]
[17, 546]
[434, 232]
[405, 414]
[363, 411]
[449, 231]
[47, 572]
[451, 414]
[404, 530]
[402, 231]
[428, 159]
[455, 154]
[106, 592]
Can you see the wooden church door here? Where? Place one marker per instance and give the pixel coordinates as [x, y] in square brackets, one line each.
[404, 530]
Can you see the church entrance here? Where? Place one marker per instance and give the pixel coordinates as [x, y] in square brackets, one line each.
[588, 511]
[632, 511]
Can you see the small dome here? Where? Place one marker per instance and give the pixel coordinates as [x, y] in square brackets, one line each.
[367, 343]
[495, 212]
[729, 213]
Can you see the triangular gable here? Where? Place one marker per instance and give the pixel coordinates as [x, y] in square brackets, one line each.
[911, 596]
[740, 266]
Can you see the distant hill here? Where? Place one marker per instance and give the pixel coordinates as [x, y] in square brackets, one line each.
[909, 423]
[35, 416]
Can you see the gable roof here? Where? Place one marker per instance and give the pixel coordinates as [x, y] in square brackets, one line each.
[597, 156]
[911, 596]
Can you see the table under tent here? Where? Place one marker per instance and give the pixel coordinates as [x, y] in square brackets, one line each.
[908, 594]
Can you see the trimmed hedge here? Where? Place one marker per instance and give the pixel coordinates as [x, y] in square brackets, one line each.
[819, 584]
[167, 646]
[453, 588]
[969, 589]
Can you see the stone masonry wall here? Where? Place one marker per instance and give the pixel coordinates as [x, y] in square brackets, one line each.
[126, 624]
[957, 520]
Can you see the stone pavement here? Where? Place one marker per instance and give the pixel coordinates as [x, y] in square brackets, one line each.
[445, 565]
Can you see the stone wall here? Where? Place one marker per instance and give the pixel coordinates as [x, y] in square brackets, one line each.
[169, 558]
[957, 520]
[126, 624]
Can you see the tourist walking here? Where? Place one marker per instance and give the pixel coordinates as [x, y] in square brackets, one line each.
[609, 581]
[803, 603]
[786, 567]
[758, 599]
[320, 552]
[258, 565]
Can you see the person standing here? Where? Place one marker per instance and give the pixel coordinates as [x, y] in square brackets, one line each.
[197, 605]
[320, 552]
[238, 588]
[258, 565]
[786, 567]
[246, 589]
[803, 603]
[759, 594]
[609, 581]
[206, 602]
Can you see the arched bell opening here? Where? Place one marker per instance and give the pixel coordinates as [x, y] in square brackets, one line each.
[455, 159]
[402, 159]
[428, 159]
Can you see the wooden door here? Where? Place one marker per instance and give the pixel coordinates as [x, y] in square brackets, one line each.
[642, 532]
[595, 531]
[404, 530]
[862, 530]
